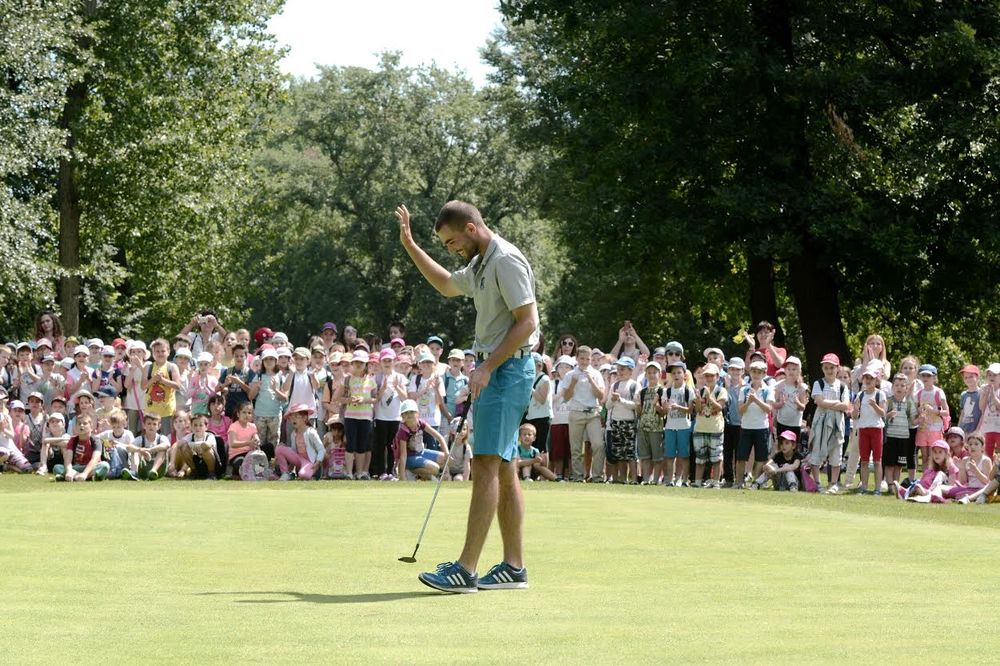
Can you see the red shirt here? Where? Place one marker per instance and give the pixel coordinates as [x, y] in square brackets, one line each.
[772, 369]
[83, 450]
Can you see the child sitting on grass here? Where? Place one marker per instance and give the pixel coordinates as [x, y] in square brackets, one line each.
[82, 455]
[409, 445]
[114, 441]
[305, 451]
[53, 443]
[196, 454]
[530, 461]
[335, 446]
[148, 453]
[784, 466]
[935, 480]
[243, 438]
[975, 471]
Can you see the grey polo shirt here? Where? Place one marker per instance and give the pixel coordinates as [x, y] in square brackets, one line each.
[498, 282]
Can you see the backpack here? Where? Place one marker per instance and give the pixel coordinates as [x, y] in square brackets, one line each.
[843, 387]
[255, 467]
[945, 418]
[687, 394]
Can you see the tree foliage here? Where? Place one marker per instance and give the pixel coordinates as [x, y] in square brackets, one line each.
[353, 145]
[851, 148]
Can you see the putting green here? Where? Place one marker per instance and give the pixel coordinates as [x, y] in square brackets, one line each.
[199, 572]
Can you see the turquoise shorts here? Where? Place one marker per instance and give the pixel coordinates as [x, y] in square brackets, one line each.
[497, 412]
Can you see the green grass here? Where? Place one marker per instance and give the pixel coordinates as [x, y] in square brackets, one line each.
[200, 572]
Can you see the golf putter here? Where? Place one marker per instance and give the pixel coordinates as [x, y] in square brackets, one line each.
[451, 440]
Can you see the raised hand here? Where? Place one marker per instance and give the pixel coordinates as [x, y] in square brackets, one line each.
[403, 215]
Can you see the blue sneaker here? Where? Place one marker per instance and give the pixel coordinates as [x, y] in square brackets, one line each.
[450, 577]
[505, 577]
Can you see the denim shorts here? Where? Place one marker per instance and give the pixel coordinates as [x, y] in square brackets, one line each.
[498, 410]
[420, 460]
[677, 443]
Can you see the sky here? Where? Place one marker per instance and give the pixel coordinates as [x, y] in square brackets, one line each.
[349, 32]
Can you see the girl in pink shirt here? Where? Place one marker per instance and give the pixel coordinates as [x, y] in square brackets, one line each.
[941, 472]
[305, 450]
[242, 437]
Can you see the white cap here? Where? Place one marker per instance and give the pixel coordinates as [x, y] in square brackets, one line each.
[284, 351]
[408, 406]
[80, 349]
[566, 360]
[206, 357]
[994, 368]
[279, 338]
[183, 351]
[758, 365]
[268, 353]
[95, 342]
[791, 360]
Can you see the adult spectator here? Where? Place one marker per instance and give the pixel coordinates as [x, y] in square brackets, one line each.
[203, 329]
[329, 335]
[629, 344]
[49, 326]
[763, 340]
[567, 346]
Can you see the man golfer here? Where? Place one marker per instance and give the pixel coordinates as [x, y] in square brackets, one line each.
[500, 282]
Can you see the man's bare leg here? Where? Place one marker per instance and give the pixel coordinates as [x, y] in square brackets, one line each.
[482, 507]
[510, 514]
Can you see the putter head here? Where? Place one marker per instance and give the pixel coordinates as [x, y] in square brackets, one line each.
[408, 560]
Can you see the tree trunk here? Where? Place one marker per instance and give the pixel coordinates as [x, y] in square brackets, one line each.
[816, 301]
[69, 196]
[69, 214]
[763, 302]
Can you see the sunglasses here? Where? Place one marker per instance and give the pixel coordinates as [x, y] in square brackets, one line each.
[566, 342]
[673, 354]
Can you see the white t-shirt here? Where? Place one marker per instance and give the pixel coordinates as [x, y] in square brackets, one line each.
[540, 410]
[387, 409]
[427, 405]
[584, 398]
[868, 418]
[683, 396]
[755, 418]
[560, 408]
[789, 414]
[302, 390]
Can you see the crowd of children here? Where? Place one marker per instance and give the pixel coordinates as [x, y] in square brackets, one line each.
[212, 403]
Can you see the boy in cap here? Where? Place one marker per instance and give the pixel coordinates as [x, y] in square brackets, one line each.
[933, 417]
[756, 403]
[733, 381]
[833, 402]
[678, 404]
[621, 419]
[969, 413]
[869, 411]
[650, 411]
[455, 389]
[710, 404]
[82, 455]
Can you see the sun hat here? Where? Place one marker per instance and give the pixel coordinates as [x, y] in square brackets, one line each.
[137, 344]
[80, 349]
[674, 346]
[269, 353]
[758, 365]
[359, 356]
[955, 430]
[460, 355]
[183, 351]
[789, 435]
[993, 368]
[940, 444]
[971, 369]
[83, 393]
[713, 350]
[425, 357]
[927, 369]
[566, 360]
[298, 408]
[710, 369]
[301, 351]
[335, 357]
[408, 406]
[626, 362]
[832, 359]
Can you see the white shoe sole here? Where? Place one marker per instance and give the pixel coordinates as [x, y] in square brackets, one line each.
[449, 590]
[521, 585]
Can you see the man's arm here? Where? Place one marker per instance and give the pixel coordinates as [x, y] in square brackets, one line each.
[433, 272]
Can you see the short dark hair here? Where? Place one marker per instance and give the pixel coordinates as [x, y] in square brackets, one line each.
[457, 213]
[400, 325]
[239, 347]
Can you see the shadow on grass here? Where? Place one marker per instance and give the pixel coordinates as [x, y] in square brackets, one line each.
[309, 598]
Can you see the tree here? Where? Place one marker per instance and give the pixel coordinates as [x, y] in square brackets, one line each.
[36, 40]
[353, 145]
[776, 138]
[153, 181]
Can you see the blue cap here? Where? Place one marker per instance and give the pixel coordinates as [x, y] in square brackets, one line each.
[677, 364]
[436, 339]
[737, 362]
[626, 361]
[927, 369]
[469, 352]
[107, 392]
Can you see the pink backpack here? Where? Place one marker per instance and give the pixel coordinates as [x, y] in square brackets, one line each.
[808, 482]
[255, 467]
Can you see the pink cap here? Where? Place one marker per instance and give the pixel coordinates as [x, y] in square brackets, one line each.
[831, 358]
[399, 341]
[386, 353]
[300, 407]
[789, 435]
[940, 444]
[971, 369]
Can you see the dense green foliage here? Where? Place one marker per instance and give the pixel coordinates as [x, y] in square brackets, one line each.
[851, 149]
[352, 146]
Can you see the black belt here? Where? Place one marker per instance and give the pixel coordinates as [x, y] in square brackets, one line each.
[521, 353]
